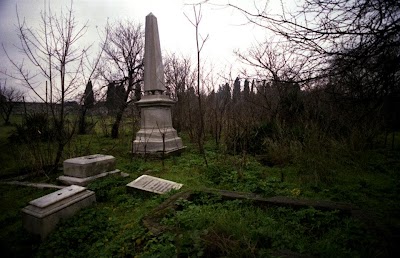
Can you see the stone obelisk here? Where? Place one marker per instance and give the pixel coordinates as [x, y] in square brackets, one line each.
[156, 133]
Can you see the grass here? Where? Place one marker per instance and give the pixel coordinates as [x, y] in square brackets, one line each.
[208, 226]
[7, 160]
[240, 229]
[14, 241]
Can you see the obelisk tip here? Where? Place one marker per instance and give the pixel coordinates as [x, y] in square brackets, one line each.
[153, 65]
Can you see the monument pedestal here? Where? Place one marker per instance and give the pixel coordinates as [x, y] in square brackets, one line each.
[156, 134]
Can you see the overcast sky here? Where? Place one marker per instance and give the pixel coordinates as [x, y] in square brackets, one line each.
[228, 29]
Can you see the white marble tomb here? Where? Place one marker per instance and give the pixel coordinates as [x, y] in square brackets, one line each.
[83, 170]
[42, 215]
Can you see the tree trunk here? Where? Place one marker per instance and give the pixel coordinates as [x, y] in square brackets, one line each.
[117, 122]
[82, 122]
[60, 150]
[7, 118]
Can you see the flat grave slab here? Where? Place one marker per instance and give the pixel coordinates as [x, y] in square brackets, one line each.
[42, 215]
[153, 184]
[87, 166]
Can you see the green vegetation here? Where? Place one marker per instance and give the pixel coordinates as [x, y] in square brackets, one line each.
[313, 115]
[239, 229]
[207, 225]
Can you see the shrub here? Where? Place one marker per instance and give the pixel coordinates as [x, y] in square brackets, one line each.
[109, 188]
[240, 229]
[88, 227]
[35, 127]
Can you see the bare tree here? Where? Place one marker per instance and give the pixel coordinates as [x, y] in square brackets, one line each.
[348, 48]
[87, 99]
[199, 47]
[123, 64]
[218, 103]
[335, 36]
[53, 55]
[333, 27]
[179, 79]
[277, 61]
[8, 98]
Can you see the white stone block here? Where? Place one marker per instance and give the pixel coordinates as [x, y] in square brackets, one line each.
[87, 166]
[153, 184]
[42, 215]
[69, 180]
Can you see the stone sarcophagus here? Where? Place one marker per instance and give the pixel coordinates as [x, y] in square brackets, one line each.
[82, 170]
[87, 166]
[42, 215]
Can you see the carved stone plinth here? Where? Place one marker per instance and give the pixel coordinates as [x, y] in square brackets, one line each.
[156, 133]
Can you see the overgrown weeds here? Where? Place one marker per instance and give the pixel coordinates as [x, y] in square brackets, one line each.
[297, 162]
[216, 228]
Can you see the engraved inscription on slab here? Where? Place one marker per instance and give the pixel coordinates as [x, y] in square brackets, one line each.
[153, 184]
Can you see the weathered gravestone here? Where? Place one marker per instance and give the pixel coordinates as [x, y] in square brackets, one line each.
[153, 184]
[82, 170]
[156, 133]
[42, 215]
